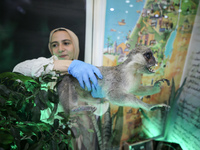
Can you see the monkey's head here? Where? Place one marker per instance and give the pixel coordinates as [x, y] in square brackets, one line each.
[141, 60]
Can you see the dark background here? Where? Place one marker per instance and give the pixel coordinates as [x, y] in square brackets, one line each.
[25, 26]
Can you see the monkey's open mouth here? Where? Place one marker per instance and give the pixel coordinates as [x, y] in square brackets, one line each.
[151, 69]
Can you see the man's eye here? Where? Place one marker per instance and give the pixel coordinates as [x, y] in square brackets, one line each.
[66, 43]
[54, 45]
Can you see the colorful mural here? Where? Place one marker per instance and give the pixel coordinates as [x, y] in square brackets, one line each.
[163, 25]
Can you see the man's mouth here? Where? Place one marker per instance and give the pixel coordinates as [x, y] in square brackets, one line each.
[62, 56]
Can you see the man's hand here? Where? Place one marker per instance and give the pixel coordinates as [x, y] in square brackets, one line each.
[97, 92]
[85, 73]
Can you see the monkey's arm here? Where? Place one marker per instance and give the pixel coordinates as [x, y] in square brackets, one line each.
[150, 90]
[147, 90]
[123, 99]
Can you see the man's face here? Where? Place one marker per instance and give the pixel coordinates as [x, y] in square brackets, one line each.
[62, 46]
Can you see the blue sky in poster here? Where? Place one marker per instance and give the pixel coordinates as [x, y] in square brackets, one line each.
[116, 11]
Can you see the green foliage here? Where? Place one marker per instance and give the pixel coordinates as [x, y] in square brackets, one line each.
[21, 100]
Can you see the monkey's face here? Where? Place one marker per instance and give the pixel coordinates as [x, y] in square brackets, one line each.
[144, 61]
[150, 62]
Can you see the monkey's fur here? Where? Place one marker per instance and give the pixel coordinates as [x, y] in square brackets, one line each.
[120, 84]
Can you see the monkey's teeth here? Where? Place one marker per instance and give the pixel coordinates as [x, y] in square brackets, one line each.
[150, 69]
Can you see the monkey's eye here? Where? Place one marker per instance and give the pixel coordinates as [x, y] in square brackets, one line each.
[148, 55]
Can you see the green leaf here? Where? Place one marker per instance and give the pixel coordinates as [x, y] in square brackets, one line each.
[25, 129]
[6, 137]
[26, 147]
[21, 100]
[12, 114]
[2, 101]
[4, 91]
[56, 124]
[48, 78]
[53, 96]
[37, 145]
[41, 100]
[16, 134]
[43, 126]
[53, 145]
[64, 116]
[36, 114]
[90, 130]
[62, 146]
[46, 146]
[53, 112]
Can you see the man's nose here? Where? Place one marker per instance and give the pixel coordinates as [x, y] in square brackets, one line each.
[60, 48]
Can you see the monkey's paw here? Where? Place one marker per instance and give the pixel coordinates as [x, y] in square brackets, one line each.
[160, 106]
[158, 83]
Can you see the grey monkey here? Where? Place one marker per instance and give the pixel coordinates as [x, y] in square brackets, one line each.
[120, 85]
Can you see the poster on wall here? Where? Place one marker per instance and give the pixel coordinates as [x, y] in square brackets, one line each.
[166, 27]
[183, 125]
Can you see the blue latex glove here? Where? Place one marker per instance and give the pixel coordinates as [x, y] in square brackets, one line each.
[97, 92]
[84, 73]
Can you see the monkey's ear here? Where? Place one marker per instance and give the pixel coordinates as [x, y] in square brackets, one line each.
[122, 58]
[125, 57]
[128, 45]
[132, 52]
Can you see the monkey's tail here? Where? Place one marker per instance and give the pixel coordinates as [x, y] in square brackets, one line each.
[97, 131]
[107, 130]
